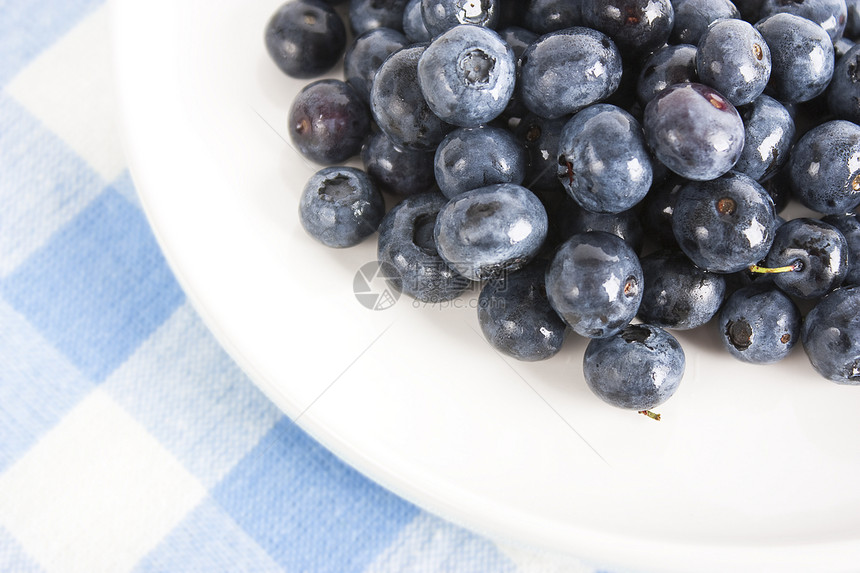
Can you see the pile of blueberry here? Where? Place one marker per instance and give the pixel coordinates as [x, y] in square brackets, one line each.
[591, 162]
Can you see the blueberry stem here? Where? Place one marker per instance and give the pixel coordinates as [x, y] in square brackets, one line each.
[650, 414]
[793, 267]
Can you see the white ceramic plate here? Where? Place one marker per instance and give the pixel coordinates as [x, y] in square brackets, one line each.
[751, 467]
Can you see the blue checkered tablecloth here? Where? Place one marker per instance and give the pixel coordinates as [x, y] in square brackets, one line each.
[129, 441]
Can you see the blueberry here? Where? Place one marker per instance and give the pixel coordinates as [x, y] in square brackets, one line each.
[817, 252]
[692, 18]
[831, 336]
[472, 157]
[831, 15]
[638, 27]
[694, 131]
[516, 318]
[666, 66]
[801, 56]
[490, 230]
[852, 24]
[340, 206]
[759, 324]
[768, 137]
[843, 94]
[398, 105]
[413, 23]
[638, 368]
[726, 224]
[397, 170]
[825, 167]
[518, 39]
[602, 159]
[305, 38]
[366, 54]
[365, 15]
[677, 293]
[467, 75]
[406, 243]
[594, 283]
[734, 59]
[553, 60]
[442, 15]
[849, 225]
[544, 16]
[328, 121]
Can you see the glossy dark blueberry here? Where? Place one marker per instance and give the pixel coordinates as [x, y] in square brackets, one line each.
[625, 225]
[801, 55]
[818, 252]
[399, 107]
[365, 15]
[849, 225]
[544, 16]
[831, 336]
[340, 206]
[328, 121]
[825, 167]
[692, 18]
[406, 242]
[843, 94]
[759, 324]
[413, 23]
[516, 318]
[553, 59]
[472, 157]
[487, 231]
[726, 224]
[636, 369]
[637, 26]
[768, 136]
[694, 131]
[734, 59]
[540, 136]
[778, 187]
[305, 38]
[366, 54]
[832, 15]
[594, 283]
[677, 293]
[603, 161]
[467, 75]
[658, 209]
[397, 170]
[442, 15]
[667, 66]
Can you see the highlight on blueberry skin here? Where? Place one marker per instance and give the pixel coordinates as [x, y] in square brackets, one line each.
[694, 130]
[759, 323]
[637, 368]
[442, 15]
[340, 206]
[516, 318]
[467, 75]
[831, 336]
[487, 231]
[594, 283]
